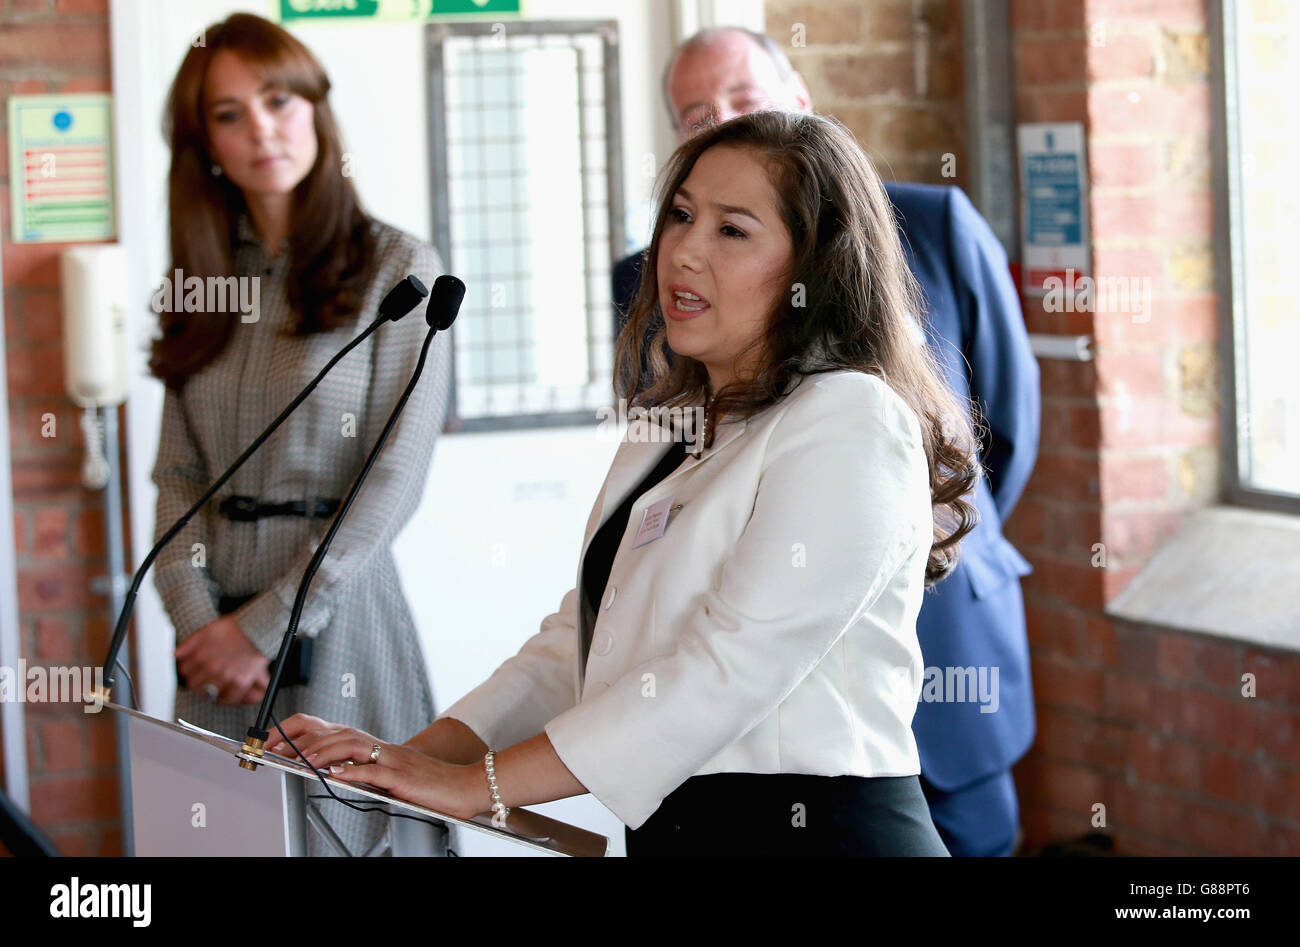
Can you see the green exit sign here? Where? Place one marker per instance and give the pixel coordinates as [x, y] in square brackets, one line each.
[291, 10]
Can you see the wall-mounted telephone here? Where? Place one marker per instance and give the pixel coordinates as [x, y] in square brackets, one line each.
[95, 349]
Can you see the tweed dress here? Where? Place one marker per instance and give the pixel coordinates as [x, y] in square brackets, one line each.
[367, 668]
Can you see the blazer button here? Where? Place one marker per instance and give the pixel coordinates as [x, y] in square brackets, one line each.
[603, 643]
[613, 592]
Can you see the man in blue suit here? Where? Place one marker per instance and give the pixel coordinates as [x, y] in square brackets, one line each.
[976, 715]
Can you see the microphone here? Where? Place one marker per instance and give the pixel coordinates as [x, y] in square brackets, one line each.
[400, 300]
[444, 305]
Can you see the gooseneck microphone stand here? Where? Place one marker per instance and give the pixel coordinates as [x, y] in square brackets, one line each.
[444, 304]
[400, 300]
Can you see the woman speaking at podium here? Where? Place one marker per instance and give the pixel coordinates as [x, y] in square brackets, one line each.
[736, 670]
[258, 191]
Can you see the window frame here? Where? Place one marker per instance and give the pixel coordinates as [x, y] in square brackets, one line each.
[1227, 250]
[607, 30]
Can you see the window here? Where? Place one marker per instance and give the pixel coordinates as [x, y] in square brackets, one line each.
[1256, 140]
[527, 182]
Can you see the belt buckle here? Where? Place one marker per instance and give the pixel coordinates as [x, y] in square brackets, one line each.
[239, 509]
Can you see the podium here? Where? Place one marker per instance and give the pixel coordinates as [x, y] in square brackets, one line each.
[190, 797]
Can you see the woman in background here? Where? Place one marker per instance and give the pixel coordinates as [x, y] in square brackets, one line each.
[257, 191]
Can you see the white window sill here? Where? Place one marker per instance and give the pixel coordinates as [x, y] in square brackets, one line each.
[1230, 572]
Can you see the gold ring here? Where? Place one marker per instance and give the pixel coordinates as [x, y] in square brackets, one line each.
[374, 753]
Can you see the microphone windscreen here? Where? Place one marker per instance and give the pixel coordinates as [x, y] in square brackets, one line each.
[444, 302]
[402, 298]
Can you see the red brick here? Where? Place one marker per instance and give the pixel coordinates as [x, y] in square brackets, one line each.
[1070, 425]
[1139, 374]
[1156, 109]
[1028, 15]
[96, 632]
[1277, 676]
[101, 740]
[1049, 60]
[55, 476]
[1219, 721]
[1144, 703]
[20, 534]
[1048, 627]
[1150, 423]
[1062, 683]
[1117, 214]
[40, 315]
[28, 87]
[1275, 789]
[54, 643]
[1070, 787]
[32, 264]
[1062, 477]
[36, 370]
[71, 45]
[1173, 318]
[1176, 656]
[52, 587]
[1168, 13]
[1280, 734]
[1139, 479]
[1117, 577]
[1026, 523]
[1064, 735]
[1282, 841]
[1124, 165]
[1073, 531]
[102, 83]
[1068, 379]
[63, 747]
[1223, 831]
[50, 533]
[72, 843]
[1128, 262]
[1067, 105]
[1134, 535]
[73, 799]
[1070, 582]
[1218, 664]
[1121, 56]
[1100, 642]
[89, 534]
[1135, 649]
[82, 7]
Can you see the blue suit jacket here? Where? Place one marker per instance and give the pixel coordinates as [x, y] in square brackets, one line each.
[975, 617]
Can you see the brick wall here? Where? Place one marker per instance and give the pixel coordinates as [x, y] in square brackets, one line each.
[50, 46]
[890, 70]
[1149, 722]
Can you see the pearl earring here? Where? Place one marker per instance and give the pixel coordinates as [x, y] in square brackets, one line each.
[216, 170]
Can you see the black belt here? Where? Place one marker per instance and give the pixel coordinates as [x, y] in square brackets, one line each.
[251, 509]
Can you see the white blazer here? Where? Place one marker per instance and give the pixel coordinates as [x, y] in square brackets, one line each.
[771, 629]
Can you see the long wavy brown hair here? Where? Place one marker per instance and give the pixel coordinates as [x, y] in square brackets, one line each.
[861, 306]
[331, 244]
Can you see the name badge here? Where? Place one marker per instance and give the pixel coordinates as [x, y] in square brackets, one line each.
[653, 522]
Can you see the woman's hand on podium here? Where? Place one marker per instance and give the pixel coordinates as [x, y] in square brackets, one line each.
[220, 657]
[459, 790]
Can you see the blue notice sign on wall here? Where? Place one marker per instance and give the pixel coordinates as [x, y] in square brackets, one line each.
[1054, 199]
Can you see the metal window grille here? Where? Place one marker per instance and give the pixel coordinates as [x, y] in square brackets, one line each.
[525, 140]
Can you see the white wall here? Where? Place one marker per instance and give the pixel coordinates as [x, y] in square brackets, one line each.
[480, 570]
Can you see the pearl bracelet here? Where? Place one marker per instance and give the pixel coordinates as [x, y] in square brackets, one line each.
[489, 763]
